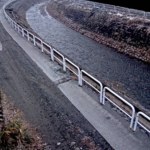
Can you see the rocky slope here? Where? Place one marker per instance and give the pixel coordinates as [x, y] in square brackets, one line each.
[126, 33]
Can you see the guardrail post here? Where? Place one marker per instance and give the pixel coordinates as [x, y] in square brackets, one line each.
[131, 106]
[28, 36]
[52, 54]
[104, 96]
[136, 121]
[79, 77]
[137, 118]
[22, 32]
[132, 119]
[64, 64]
[42, 46]
[80, 83]
[34, 40]
[100, 84]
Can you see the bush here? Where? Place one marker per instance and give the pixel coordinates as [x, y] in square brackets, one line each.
[14, 134]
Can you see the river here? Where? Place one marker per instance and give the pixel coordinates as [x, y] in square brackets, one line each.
[130, 76]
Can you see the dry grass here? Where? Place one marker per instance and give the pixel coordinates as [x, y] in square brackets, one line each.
[17, 132]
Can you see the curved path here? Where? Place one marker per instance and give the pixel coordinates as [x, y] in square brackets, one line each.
[130, 76]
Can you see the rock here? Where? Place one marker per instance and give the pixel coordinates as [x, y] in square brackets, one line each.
[72, 143]
[58, 143]
[62, 140]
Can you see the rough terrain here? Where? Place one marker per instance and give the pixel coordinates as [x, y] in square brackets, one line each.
[42, 103]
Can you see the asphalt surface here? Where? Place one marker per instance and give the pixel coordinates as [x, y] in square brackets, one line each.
[131, 77]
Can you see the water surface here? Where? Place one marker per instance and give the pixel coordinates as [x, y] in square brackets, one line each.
[118, 70]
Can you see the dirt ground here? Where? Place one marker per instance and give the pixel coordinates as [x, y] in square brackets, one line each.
[45, 107]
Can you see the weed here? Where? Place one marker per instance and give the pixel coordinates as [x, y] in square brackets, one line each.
[14, 134]
[97, 87]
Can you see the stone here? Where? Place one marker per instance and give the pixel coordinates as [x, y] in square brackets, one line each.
[72, 143]
[58, 143]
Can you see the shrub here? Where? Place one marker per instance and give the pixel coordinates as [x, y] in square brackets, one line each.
[14, 134]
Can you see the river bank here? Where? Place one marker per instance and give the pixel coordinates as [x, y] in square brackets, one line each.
[124, 32]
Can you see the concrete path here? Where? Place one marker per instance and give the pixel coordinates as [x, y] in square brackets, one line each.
[107, 122]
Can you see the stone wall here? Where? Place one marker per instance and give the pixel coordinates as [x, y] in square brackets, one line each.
[114, 29]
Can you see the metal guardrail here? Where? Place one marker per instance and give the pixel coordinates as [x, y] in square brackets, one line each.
[100, 90]
[39, 44]
[137, 121]
[54, 54]
[123, 100]
[47, 48]
[61, 61]
[74, 65]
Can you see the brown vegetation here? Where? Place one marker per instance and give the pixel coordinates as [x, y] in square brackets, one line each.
[16, 133]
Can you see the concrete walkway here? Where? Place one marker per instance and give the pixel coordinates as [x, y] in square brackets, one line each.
[106, 121]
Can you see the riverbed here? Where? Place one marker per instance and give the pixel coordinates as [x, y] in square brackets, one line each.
[128, 75]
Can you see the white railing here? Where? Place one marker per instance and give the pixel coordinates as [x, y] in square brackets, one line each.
[137, 121]
[122, 100]
[46, 48]
[100, 90]
[61, 61]
[78, 72]
[72, 70]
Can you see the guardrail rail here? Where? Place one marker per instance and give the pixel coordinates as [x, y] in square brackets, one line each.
[121, 99]
[137, 121]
